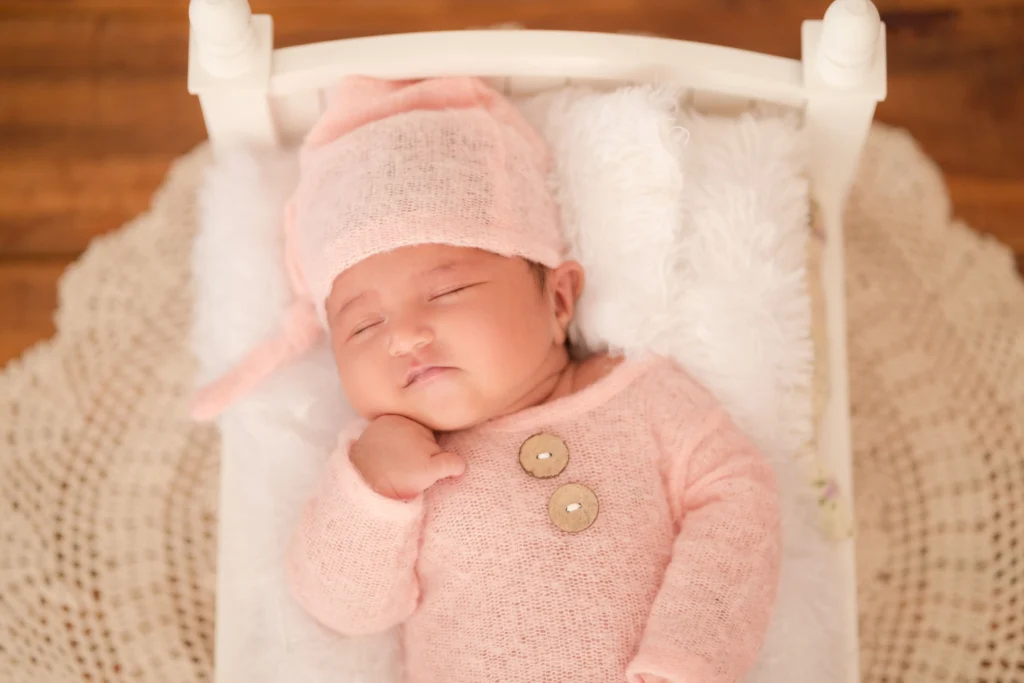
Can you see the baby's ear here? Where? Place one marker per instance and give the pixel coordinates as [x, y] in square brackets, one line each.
[565, 283]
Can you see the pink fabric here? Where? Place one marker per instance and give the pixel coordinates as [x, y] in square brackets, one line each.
[399, 163]
[393, 164]
[300, 331]
[673, 582]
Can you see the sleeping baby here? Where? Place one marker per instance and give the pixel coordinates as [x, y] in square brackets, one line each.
[520, 513]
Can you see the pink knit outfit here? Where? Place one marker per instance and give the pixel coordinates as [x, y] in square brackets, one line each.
[673, 582]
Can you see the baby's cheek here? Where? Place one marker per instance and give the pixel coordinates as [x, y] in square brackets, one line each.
[365, 385]
[495, 332]
[517, 343]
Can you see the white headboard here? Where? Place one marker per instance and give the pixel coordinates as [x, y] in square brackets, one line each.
[252, 94]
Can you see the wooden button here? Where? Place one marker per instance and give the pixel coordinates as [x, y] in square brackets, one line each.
[573, 508]
[544, 456]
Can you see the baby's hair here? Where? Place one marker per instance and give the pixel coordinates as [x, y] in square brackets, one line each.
[540, 271]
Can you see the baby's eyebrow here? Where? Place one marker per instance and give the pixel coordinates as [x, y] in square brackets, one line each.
[445, 267]
[351, 301]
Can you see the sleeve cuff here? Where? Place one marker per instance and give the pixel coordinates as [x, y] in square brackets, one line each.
[660, 665]
[351, 485]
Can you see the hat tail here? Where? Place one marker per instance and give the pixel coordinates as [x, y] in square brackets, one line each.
[300, 332]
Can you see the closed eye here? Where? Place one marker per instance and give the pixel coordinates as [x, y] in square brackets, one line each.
[365, 327]
[451, 291]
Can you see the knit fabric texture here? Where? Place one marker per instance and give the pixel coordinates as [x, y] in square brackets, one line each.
[393, 164]
[673, 581]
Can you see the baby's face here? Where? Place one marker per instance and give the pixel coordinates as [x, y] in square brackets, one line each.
[448, 336]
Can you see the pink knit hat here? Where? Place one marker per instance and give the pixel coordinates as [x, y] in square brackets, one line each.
[393, 164]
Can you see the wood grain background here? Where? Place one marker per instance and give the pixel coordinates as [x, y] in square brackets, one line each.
[93, 105]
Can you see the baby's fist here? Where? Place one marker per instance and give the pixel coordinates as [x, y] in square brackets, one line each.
[399, 458]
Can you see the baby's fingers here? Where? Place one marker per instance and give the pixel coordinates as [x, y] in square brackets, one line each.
[444, 465]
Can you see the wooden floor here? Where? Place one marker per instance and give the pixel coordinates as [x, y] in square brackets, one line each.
[93, 104]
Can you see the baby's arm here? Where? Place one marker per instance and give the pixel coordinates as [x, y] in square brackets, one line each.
[709, 618]
[352, 563]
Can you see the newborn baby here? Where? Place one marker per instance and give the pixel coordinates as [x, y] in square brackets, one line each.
[520, 514]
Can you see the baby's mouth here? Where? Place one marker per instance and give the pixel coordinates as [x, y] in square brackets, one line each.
[423, 374]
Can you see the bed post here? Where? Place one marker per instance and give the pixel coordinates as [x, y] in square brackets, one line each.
[844, 69]
[229, 57]
[844, 79]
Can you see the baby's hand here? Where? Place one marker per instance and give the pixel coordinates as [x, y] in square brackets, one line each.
[400, 458]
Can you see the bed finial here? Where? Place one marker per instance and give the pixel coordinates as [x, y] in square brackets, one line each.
[226, 42]
[849, 41]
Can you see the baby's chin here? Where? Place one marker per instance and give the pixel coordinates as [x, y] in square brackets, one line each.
[446, 405]
[445, 411]
[447, 418]
[449, 403]
[439, 413]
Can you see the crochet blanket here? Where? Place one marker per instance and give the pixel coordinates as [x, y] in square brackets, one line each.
[108, 491]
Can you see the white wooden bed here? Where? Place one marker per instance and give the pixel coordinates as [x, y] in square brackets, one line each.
[253, 94]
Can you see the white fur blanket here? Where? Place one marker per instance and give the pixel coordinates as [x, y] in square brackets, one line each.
[693, 234]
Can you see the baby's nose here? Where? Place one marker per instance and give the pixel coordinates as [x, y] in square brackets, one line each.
[405, 340]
